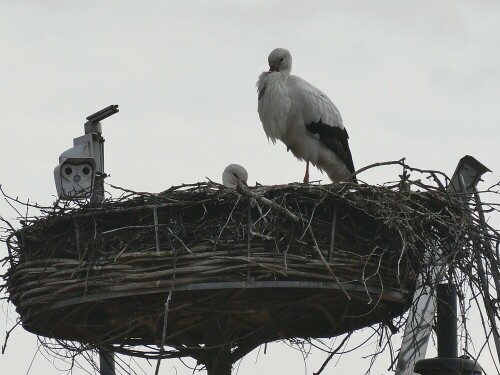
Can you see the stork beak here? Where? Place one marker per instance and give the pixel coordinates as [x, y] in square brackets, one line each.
[273, 69]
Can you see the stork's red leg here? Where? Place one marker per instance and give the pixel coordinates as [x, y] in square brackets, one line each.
[306, 177]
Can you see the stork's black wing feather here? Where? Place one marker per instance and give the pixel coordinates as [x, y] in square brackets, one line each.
[335, 139]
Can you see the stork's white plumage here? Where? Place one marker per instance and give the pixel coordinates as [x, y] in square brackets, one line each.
[303, 118]
[232, 174]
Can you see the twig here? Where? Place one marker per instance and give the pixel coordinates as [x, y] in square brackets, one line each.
[332, 353]
[327, 265]
[379, 164]
[332, 236]
[178, 239]
[164, 333]
[157, 238]
[249, 238]
[7, 334]
[246, 191]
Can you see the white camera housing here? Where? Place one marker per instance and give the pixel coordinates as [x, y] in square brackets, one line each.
[80, 173]
[75, 174]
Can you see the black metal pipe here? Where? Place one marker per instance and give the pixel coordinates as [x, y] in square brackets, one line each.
[446, 323]
[447, 361]
[218, 359]
[106, 362]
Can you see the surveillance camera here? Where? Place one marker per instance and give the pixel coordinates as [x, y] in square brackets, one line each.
[74, 179]
[75, 174]
[80, 173]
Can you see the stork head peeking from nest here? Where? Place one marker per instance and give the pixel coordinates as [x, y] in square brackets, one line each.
[232, 174]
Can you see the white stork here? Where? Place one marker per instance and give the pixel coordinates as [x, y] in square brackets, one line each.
[303, 118]
[232, 174]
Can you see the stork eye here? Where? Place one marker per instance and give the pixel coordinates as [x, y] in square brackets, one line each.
[282, 59]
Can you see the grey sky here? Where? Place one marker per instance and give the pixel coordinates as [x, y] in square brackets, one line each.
[412, 79]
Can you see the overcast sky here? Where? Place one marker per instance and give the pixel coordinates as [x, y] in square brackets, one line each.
[414, 79]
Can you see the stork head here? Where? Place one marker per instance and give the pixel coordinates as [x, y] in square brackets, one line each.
[280, 60]
[232, 174]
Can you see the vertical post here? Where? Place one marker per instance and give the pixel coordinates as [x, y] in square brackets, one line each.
[106, 362]
[95, 130]
[218, 351]
[220, 363]
[94, 127]
[106, 358]
[446, 321]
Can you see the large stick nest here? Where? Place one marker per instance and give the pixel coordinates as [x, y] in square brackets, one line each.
[201, 266]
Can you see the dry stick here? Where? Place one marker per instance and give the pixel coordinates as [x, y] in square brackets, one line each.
[330, 356]
[129, 227]
[7, 240]
[77, 237]
[157, 238]
[7, 334]
[312, 215]
[164, 334]
[263, 236]
[403, 164]
[121, 252]
[394, 162]
[165, 318]
[266, 201]
[140, 193]
[326, 264]
[249, 239]
[181, 241]
[8, 199]
[437, 181]
[226, 223]
[332, 236]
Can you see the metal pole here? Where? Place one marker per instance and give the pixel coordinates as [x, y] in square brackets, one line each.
[217, 348]
[93, 126]
[106, 362]
[446, 322]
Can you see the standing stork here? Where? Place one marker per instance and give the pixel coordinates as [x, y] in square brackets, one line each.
[303, 118]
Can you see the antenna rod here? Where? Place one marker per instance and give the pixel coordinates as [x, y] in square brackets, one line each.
[103, 113]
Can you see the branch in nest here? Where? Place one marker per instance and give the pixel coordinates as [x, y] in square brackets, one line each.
[246, 191]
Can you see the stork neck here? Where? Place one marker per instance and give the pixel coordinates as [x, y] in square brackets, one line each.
[285, 72]
[279, 77]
